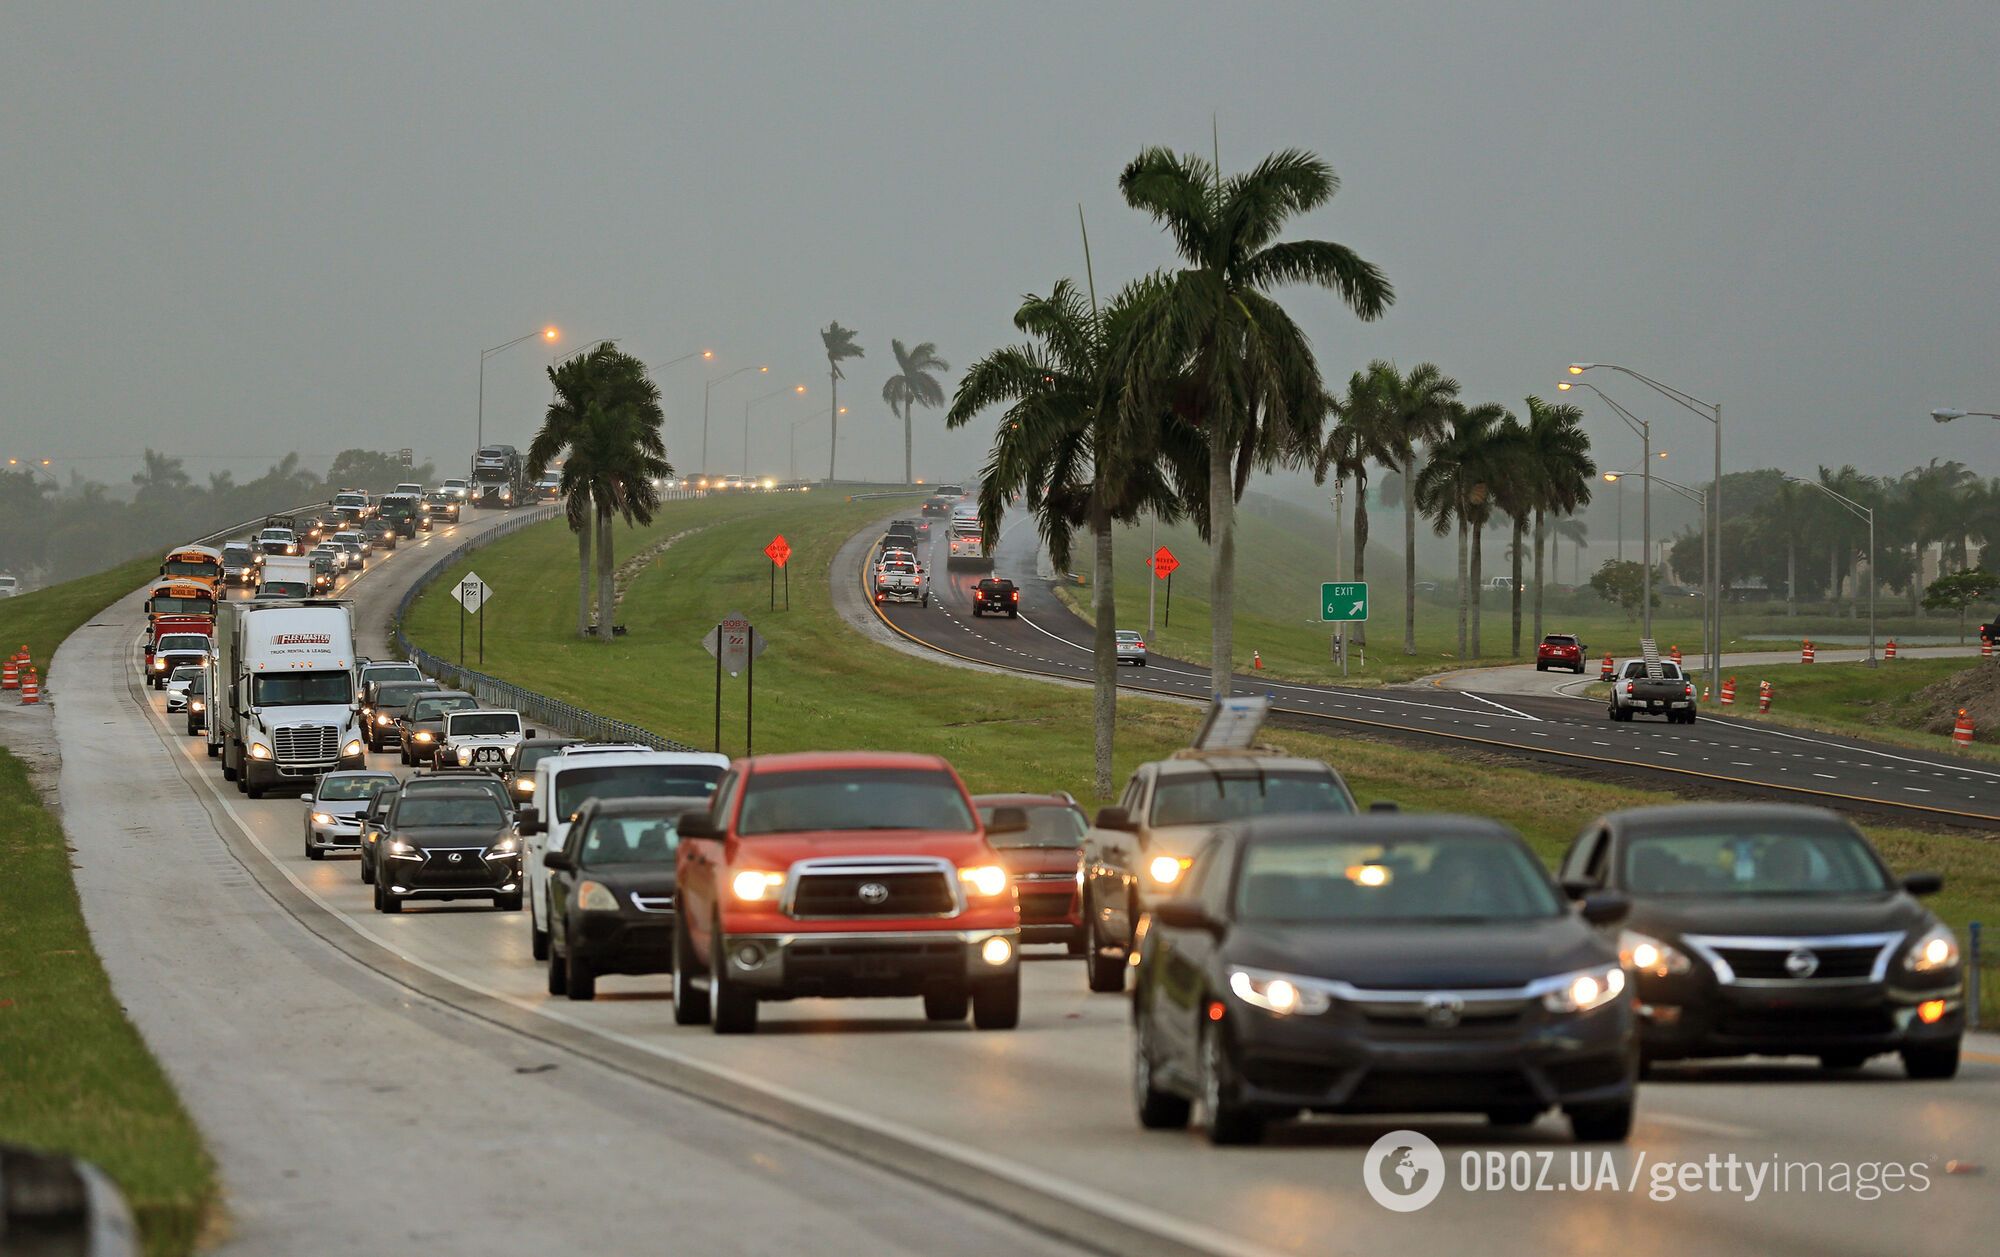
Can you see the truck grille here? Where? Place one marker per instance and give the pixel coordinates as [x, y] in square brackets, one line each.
[306, 744]
[874, 888]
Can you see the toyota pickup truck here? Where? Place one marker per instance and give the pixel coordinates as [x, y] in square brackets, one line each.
[843, 874]
[1669, 694]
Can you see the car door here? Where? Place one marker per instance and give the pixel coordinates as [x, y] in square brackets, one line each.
[560, 881]
[697, 862]
[1181, 989]
[1109, 857]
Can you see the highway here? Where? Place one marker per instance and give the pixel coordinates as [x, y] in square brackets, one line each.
[1715, 756]
[383, 1082]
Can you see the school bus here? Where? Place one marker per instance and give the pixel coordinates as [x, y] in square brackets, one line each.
[201, 562]
[180, 595]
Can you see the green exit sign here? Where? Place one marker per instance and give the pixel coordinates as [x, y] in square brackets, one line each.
[1343, 601]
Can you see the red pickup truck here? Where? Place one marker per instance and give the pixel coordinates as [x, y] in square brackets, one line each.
[842, 874]
[1560, 650]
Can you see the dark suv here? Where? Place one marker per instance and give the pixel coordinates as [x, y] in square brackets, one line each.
[420, 730]
[447, 843]
[611, 892]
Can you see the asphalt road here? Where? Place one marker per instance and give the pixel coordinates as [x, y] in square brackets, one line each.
[373, 1082]
[1733, 756]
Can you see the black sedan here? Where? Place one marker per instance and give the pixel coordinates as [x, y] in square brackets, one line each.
[374, 821]
[611, 892]
[447, 844]
[1765, 929]
[197, 704]
[1379, 964]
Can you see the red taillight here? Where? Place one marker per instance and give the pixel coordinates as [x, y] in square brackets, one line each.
[1690, 690]
[1138, 645]
[1628, 687]
[1017, 595]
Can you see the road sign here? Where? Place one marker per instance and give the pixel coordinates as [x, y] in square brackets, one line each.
[407, 457]
[734, 643]
[1345, 600]
[471, 593]
[1163, 563]
[1232, 723]
[779, 551]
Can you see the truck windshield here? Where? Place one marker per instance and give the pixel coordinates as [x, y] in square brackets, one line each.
[484, 724]
[302, 689]
[1209, 799]
[435, 708]
[577, 786]
[1049, 825]
[182, 641]
[882, 798]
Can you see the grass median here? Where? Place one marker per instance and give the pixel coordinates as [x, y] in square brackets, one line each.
[42, 619]
[821, 684]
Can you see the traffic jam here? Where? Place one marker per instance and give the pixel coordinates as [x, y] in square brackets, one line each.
[1285, 951]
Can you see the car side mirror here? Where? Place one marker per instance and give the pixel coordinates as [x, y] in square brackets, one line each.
[531, 734]
[1186, 914]
[1924, 883]
[1008, 820]
[558, 860]
[306, 799]
[1576, 887]
[697, 825]
[1116, 818]
[1605, 907]
[1385, 805]
[529, 820]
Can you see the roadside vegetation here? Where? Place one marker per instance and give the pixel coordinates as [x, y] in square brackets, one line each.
[1908, 702]
[75, 1076]
[42, 619]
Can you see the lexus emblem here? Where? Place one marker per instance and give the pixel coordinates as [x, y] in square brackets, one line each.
[1801, 963]
[1443, 1011]
[873, 893]
[454, 857]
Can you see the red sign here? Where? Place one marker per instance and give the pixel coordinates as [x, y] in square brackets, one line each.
[779, 551]
[1164, 563]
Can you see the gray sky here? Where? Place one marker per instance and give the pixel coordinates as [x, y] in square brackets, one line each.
[239, 230]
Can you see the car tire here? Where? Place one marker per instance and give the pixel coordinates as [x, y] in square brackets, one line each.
[1104, 973]
[367, 871]
[314, 853]
[579, 983]
[1157, 1109]
[1601, 1123]
[1079, 944]
[1843, 1060]
[732, 1008]
[558, 975]
[507, 903]
[1541, 667]
[1513, 1115]
[1228, 1123]
[538, 939]
[947, 1005]
[996, 1002]
[690, 1002]
[1931, 1061]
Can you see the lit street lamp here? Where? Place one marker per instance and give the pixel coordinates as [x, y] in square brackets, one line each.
[1644, 431]
[549, 334]
[1862, 512]
[1944, 414]
[709, 388]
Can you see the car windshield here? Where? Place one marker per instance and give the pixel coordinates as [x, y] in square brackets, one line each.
[863, 798]
[578, 786]
[183, 641]
[338, 789]
[629, 840]
[435, 708]
[399, 693]
[1753, 860]
[183, 676]
[284, 589]
[238, 555]
[452, 810]
[199, 685]
[1128, 635]
[528, 756]
[391, 672]
[485, 724]
[302, 689]
[1049, 825]
[1231, 794]
[1339, 880]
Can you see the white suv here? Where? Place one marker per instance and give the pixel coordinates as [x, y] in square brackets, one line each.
[481, 737]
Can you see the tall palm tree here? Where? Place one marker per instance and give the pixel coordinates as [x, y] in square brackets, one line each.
[1573, 528]
[1419, 407]
[913, 385]
[606, 416]
[1512, 490]
[840, 346]
[1079, 457]
[1454, 492]
[1216, 346]
[1555, 458]
[1360, 439]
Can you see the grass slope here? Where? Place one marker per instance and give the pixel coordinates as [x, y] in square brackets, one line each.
[41, 619]
[823, 685]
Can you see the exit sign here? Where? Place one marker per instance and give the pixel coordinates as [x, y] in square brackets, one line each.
[1343, 601]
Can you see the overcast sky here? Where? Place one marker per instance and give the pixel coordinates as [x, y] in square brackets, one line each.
[233, 231]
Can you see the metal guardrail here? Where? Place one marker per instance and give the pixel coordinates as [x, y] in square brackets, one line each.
[536, 708]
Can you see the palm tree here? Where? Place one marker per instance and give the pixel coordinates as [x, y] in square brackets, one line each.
[1070, 447]
[1453, 491]
[1512, 492]
[913, 385]
[839, 342]
[1359, 440]
[606, 415]
[1419, 407]
[1555, 459]
[1573, 528]
[1217, 348]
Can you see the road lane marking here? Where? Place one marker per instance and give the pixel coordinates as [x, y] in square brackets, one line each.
[1502, 706]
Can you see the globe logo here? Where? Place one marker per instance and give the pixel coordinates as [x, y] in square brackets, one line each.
[1403, 1171]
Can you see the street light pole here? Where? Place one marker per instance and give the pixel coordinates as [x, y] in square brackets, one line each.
[1644, 431]
[708, 389]
[479, 432]
[1862, 512]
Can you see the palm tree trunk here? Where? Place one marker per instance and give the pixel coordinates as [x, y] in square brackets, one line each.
[832, 417]
[1520, 540]
[1104, 696]
[1410, 554]
[1464, 590]
[583, 577]
[1222, 565]
[1360, 549]
[909, 476]
[1478, 561]
[606, 582]
[1541, 536]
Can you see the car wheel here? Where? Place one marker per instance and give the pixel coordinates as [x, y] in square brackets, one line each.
[558, 975]
[947, 1005]
[996, 1003]
[367, 869]
[1513, 1115]
[1939, 1060]
[1078, 943]
[1105, 972]
[538, 938]
[734, 1009]
[1158, 1110]
[314, 853]
[1842, 1060]
[1541, 667]
[1601, 1123]
[1227, 1122]
[581, 982]
[507, 903]
[690, 1003]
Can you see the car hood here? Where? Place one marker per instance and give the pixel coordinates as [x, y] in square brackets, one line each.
[1422, 955]
[345, 808]
[1778, 915]
[783, 849]
[451, 835]
[485, 739]
[1038, 859]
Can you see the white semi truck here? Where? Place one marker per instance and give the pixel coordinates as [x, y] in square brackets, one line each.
[283, 705]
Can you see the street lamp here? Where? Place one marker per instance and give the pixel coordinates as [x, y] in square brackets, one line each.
[705, 391]
[549, 334]
[1711, 411]
[1861, 512]
[1945, 414]
[1644, 431]
[796, 389]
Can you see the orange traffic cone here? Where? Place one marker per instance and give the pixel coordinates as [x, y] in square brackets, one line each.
[31, 690]
[1729, 692]
[1806, 651]
[1961, 732]
[1889, 651]
[1675, 655]
[10, 676]
[1985, 648]
[1256, 661]
[1763, 696]
[1604, 674]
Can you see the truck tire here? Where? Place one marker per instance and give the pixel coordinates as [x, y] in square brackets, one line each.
[947, 1005]
[734, 1008]
[690, 1001]
[214, 751]
[996, 1002]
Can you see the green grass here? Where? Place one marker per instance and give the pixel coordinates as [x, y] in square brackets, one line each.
[821, 684]
[41, 619]
[74, 1074]
[1851, 698]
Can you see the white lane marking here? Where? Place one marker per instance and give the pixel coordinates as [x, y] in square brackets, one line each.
[1828, 776]
[1501, 706]
[1675, 754]
[1872, 750]
[1913, 789]
[1741, 763]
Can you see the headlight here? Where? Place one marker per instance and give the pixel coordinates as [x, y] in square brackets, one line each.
[195, 704]
[752, 886]
[1937, 949]
[526, 785]
[322, 818]
[506, 846]
[464, 756]
[159, 665]
[384, 721]
[259, 751]
[986, 879]
[398, 847]
[595, 897]
[1643, 953]
[1166, 869]
[1583, 990]
[352, 749]
[423, 735]
[1277, 993]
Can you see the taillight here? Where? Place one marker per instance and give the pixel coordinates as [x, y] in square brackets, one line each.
[1690, 689]
[1017, 595]
[1139, 645]
[1628, 687]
